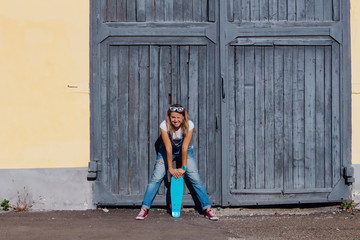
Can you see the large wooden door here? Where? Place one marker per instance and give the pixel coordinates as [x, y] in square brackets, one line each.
[266, 82]
[147, 55]
[284, 131]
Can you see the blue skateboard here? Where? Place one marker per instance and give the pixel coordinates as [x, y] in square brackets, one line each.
[176, 195]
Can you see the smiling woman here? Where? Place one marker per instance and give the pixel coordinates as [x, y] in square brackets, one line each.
[176, 133]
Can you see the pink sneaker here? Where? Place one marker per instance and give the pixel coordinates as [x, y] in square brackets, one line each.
[143, 213]
[211, 215]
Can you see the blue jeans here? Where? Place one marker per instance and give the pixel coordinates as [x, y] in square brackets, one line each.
[192, 172]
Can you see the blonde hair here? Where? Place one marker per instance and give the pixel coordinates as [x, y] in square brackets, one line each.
[184, 125]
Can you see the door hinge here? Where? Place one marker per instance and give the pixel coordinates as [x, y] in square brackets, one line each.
[349, 175]
[94, 167]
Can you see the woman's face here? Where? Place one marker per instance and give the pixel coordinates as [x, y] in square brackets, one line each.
[176, 119]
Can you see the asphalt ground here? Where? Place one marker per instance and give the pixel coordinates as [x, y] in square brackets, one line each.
[326, 222]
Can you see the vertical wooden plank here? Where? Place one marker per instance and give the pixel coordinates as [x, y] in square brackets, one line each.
[160, 10]
[327, 5]
[174, 74]
[169, 10]
[143, 117]
[196, 11]
[298, 117]
[291, 10]
[232, 119]
[178, 11]
[300, 10]
[336, 10]
[237, 10]
[336, 112]
[211, 10]
[283, 10]
[111, 10]
[121, 10]
[309, 117]
[184, 75]
[245, 10]
[140, 11]
[264, 10]
[259, 117]
[188, 11]
[269, 118]
[310, 10]
[250, 117]
[154, 131]
[240, 116]
[279, 113]
[204, 5]
[319, 10]
[133, 124]
[150, 11]
[288, 118]
[211, 119]
[319, 118]
[164, 89]
[123, 120]
[273, 10]
[202, 128]
[230, 10]
[254, 10]
[131, 11]
[113, 120]
[193, 94]
[328, 117]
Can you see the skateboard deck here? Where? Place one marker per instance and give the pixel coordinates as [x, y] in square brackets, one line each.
[176, 195]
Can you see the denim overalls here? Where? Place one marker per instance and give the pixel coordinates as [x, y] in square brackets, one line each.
[161, 168]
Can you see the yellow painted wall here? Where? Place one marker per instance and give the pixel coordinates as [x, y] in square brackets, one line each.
[355, 79]
[43, 50]
[44, 47]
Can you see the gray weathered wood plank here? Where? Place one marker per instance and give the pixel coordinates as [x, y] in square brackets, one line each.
[298, 117]
[160, 10]
[175, 71]
[328, 15]
[319, 118]
[154, 120]
[273, 10]
[196, 11]
[204, 15]
[254, 10]
[319, 10]
[150, 11]
[269, 118]
[114, 119]
[230, 10]
[169, 10]
[232, 118]
[211, 10]
[288, 117]
[202, 119]
[111, 10]
[310, 9]
[184, 75]
[300, 10]
[131, 11]
[336, 112]
[245, 10]
[336, 10]
[291, 10]
[178, 13]
[193, 94]
[140, 11]
[328, 117]
[259, 117]
[264, 10]
[279, 115]
[310, 117]
[133, 123]
[123, 120]
[282, 10]
[240, 116]
[121, 10]
[143, 116]
[237, 10]
[188, 11]
[250, 117]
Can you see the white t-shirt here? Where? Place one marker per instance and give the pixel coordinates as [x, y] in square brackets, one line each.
[178, 134]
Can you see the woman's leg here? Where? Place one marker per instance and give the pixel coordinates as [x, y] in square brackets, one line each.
[194, 177]
[156, 179]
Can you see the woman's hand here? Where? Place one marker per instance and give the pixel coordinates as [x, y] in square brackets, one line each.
[174, 173]
[181, 171]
